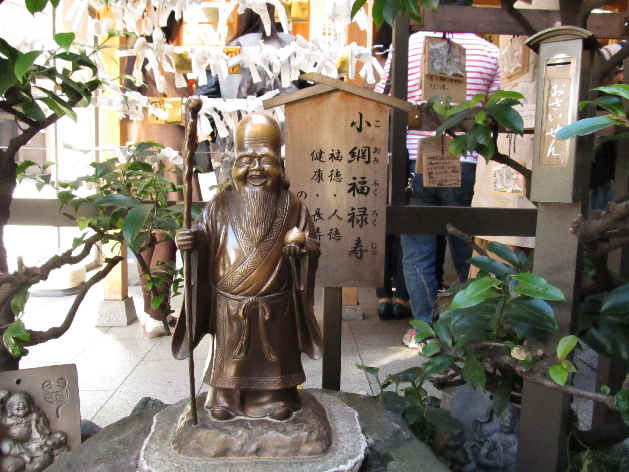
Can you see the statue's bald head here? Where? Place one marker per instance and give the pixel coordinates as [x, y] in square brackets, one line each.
[258, 130]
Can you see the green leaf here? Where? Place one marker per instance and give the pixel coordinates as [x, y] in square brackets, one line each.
[474, 373]
[504, 252]
[534, 286]
[622, 405]
[33, 111]
[118, 200]
[442, 419]
[613, 104]
[617, 301]
[431, 4]
[413, 9]
[492, 266]
[370, 370]
[487, 150]
[378, 17]
[558, 374]
[439, 364]
[452, 122]
[65, 196]
[508, 117]
[621, 90]
[523, 313]
[34, 6]
[585, 126]
[391, 10]
[458, 108]
[423, 329]
[134, 223]
[499, 95]
[25, 61]
[566, 345]
[357, 5]
[457, 146]
[157, 300]
[605, 390]
[476, 99]
[502, 395]
[430, 349]
[12, 336]
[411, 374]
[19, 300]
[65, 40]
[7, 76]
[22, 166]
[569, 366]
[480, 118]
[475, 293]
[442, 330]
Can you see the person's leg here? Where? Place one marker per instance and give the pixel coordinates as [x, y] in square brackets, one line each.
[419, 273]
[384, 293]
[440, 260]
[419, 258]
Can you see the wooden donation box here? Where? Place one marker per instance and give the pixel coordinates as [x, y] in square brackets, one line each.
[336, 159]
[566, 67]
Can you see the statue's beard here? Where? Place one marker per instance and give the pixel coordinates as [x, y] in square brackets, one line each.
[256, 212]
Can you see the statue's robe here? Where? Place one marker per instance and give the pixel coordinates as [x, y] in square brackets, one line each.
[243, 295]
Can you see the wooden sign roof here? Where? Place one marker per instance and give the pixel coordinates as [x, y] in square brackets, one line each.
[328, 84]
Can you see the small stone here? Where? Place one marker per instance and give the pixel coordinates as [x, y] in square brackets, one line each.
[89, 429]
[146, 403]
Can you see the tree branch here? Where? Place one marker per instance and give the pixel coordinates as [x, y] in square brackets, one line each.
[38, 337]
[507, 5]
[16, 113]
[586, 8]
[469, 239]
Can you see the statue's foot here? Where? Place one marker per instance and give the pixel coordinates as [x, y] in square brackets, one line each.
[223, 403]
[276, 404]
[220, 413]
[281, 413]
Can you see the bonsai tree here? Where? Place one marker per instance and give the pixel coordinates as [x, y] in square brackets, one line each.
[38, 88]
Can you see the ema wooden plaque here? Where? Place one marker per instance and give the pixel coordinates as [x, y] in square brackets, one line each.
[336, 160]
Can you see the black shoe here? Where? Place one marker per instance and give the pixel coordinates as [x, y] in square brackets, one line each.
[401, 312]
[385, 311]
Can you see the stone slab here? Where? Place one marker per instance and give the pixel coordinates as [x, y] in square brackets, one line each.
[346, 453]
[352, 312]
[116, 313]
[392, 447]
[306, 434]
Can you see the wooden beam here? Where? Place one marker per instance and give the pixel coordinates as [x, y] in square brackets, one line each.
[298, 95]
[487, 20]
[475, 221]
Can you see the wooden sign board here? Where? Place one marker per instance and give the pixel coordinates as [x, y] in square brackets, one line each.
[55, 394]
[438, 166]
[443, 70]
[556, 111]
[514, 59]
[336, 160]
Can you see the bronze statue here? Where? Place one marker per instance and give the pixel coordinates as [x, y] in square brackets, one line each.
[255, 257]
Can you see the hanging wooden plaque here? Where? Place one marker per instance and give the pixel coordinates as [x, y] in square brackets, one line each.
[443, 70]
[439, 167]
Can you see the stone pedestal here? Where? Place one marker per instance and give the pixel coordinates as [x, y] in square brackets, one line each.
[116, 313]
[346, 452]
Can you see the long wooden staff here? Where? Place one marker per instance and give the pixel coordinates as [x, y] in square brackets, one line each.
[193, 106]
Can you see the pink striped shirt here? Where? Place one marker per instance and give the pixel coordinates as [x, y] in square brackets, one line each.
[483, 75]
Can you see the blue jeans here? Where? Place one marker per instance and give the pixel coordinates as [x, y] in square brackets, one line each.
[420, 249]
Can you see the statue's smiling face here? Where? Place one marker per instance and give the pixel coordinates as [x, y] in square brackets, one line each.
[19, 405]
[258, 167]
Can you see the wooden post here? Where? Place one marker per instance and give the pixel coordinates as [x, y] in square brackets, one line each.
[117, 308]
[332, 309]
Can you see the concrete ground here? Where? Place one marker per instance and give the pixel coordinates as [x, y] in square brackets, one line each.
[120, 365]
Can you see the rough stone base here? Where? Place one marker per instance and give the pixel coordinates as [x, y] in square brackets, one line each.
[352, 312]
[116, 313]
[306, 434]
[345, 454]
